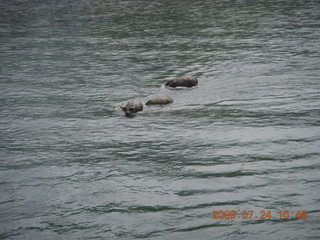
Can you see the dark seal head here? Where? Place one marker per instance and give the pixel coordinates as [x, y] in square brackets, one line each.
[132, 107]
[160, 100]
[185, 81]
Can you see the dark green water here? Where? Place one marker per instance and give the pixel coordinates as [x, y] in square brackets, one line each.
[247, 138]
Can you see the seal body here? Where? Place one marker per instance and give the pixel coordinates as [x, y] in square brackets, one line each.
[160, 100]
[185, 81]
[132, 107]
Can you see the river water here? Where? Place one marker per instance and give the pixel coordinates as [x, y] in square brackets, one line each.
[247, 138]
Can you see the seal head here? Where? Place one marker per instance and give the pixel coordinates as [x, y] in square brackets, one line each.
[132, 107]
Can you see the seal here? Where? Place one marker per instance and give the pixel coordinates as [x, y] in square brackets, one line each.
[184, 81]
[160, 100]
[132, 107]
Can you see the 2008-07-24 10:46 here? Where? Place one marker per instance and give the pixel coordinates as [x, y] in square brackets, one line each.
[263, 214]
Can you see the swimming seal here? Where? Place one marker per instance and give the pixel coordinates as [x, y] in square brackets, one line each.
[132, 107]
[184, 81]
[160, 100]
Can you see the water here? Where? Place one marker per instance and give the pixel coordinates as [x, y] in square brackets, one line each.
[246, 139]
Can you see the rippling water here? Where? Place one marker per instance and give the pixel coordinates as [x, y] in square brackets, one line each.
[247, 138]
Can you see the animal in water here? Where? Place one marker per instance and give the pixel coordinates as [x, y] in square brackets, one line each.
[132, 107]
[184, 81]
[160, 100]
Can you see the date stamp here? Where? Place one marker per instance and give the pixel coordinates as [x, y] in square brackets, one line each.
[262, 214]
